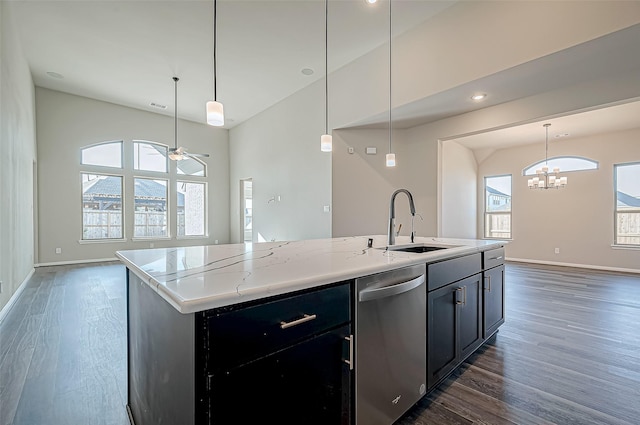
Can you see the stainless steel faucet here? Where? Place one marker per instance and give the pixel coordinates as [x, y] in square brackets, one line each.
[391, 240]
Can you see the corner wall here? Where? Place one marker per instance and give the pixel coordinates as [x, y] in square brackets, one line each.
[17, 161]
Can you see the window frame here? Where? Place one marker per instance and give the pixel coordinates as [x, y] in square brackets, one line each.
[205, 212]
[532, 168]
[122, 161]
[168, 207]
[122, 215]
[149, 142]
[487, 213]
[617, 244]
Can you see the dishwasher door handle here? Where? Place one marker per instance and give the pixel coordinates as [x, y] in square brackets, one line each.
[389, 291]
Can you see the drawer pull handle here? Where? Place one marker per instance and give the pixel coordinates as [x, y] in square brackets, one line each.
[496, 258]
[306, 318]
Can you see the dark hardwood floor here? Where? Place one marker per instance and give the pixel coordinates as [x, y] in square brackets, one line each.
[569, 353]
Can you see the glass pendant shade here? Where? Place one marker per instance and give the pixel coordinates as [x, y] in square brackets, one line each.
[391, 160]
[215, 113]
[326, 143]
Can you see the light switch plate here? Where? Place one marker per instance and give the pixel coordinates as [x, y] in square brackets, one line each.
[327, 208]
[350, 149]
[372, 151]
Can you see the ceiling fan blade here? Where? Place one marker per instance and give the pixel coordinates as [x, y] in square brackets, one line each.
[200, 155]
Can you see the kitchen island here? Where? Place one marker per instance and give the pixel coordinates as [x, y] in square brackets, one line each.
[236, 333]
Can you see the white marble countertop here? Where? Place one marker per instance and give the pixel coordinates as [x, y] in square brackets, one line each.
[198, 278]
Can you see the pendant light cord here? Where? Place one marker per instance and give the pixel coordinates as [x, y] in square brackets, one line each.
[326, 66]
[546, 146]
[175, 112]
[390, 36]
[215, 42]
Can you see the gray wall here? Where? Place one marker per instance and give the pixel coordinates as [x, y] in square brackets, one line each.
[280, 150]
[17, 161]
[65, 124]
[578, 219]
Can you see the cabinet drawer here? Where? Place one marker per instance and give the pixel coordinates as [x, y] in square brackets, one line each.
[448, 271]
[239, 336]
[493, 258]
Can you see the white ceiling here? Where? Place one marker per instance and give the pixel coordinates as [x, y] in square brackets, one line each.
[126, 52]
[608, 119]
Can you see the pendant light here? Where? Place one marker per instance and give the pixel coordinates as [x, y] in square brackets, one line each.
[326, 141]
[391, 157]
[215, 111]
[546, 179]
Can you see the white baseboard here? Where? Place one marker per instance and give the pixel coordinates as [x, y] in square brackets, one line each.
[65, 263]
[580, 266]
[7, 307]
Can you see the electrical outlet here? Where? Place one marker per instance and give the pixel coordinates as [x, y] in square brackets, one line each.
[58, 250]
[216, 242]
[151, 245]
[557, 250]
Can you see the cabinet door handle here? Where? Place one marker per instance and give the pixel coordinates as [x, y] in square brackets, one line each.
[464, 295]
[350, 361]
[306, 318]
[488, 287]
[457, 297]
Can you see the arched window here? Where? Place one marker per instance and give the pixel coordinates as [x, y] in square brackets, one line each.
[565, 163]
[149, 156]
[108, 154]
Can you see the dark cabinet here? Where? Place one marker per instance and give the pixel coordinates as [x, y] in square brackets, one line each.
[493, 310]
[305, 383]
[287, 361]
[454, 326]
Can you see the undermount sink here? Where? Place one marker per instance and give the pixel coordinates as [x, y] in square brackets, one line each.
[418, 248]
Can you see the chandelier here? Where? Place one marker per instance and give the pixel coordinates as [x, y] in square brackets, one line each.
[546, 179]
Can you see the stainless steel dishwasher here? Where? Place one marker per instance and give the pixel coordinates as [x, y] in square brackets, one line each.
[391, 344]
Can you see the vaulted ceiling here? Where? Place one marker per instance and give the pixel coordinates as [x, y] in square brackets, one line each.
[126, 52]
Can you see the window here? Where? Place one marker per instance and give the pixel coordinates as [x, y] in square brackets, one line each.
[150, 206]
[107, 154]
[149, 156]
[101, 207]
[497, 210]
[191, 208]
[627, 189]
[565, 163]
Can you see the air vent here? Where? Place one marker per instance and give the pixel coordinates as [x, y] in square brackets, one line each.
[157, 105]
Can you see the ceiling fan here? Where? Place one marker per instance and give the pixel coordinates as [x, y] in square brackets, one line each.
[179, 153]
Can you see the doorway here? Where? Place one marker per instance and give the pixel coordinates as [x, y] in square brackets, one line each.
[246, 210]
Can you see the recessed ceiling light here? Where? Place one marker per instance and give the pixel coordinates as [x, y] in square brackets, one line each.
[55, 75]
[561, 135]
[370, 1]
[478, 96]
[157, 105]
[307, 71]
